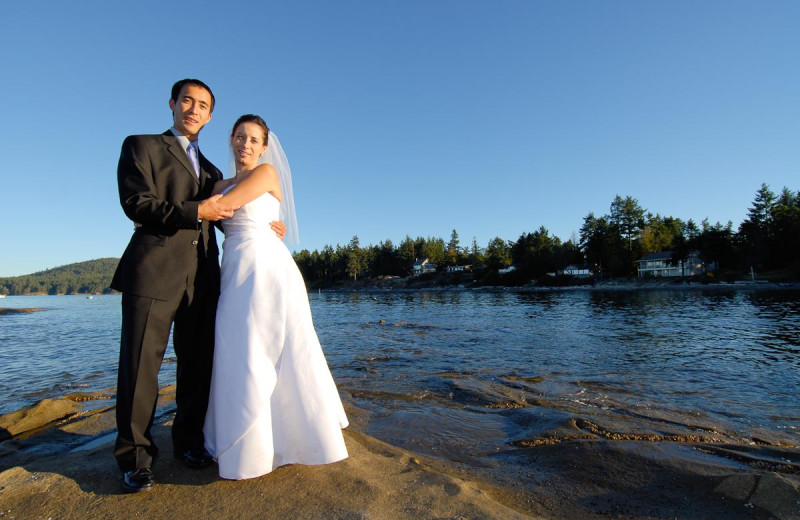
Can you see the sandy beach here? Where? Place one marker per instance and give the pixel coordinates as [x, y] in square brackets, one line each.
[56, 462]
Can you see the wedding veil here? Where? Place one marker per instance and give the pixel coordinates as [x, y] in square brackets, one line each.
[277, 158]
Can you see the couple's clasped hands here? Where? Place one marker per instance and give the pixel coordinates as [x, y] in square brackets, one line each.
[211, 209]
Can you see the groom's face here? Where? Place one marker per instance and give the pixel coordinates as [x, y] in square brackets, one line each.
[192, 110]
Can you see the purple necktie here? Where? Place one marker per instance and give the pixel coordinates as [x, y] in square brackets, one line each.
[192, 152]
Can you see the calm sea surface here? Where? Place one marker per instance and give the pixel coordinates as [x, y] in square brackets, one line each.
[449, 373]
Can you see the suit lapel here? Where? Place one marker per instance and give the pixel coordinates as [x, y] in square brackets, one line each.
[206, 174]
[174, 147]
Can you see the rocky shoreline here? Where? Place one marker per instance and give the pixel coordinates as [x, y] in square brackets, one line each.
[11, 310]
[55, 462]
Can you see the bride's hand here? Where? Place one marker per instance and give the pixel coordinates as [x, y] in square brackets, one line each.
[279, 228]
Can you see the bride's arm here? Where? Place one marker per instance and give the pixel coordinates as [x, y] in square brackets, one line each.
[220, 185]
[263, 179]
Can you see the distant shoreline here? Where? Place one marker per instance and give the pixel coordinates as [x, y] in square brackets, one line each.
[406, 285]
[409, 284]
[634, 286]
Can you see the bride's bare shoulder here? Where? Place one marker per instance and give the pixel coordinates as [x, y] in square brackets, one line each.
[267, 170]
[268, 178]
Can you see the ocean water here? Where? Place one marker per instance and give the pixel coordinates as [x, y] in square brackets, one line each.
[466, 374]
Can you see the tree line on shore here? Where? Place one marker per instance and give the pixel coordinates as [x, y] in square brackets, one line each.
[767, 240]
[609, 245]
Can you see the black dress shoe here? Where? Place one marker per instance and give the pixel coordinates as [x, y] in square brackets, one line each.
[140, 479]
[195, 459]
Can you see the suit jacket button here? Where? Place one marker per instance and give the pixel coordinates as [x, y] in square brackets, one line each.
[194, 242]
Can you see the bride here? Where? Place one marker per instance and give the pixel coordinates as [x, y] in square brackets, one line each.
[273, 400]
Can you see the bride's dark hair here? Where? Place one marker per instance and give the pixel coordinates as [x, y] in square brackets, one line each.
[252, 118]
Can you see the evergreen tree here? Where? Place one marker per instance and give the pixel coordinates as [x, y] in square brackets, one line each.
[498, 253]
[660, 234]
[453, 249]
[327, 263]
[407, 253]
[690, 231]
[304, 264]
[785, 218]
[569, 254]
[627, 218]
[433, 249]
[386, 260]
[355, 258]
[475, 257]
[534, 253]
[756, 230]
[716, 244]
[600, 245]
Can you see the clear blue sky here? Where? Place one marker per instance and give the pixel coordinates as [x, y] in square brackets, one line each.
[415, 117]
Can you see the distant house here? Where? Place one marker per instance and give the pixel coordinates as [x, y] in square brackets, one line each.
[423, 266]
[661, 264]
[507, 270]
[576, 271]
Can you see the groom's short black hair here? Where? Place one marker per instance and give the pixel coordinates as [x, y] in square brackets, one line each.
[176, 89]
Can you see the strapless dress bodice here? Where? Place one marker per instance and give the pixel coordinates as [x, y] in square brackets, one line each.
[253, 217]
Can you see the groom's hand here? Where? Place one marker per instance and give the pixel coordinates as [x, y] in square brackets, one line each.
[211, 209]
[279, 228]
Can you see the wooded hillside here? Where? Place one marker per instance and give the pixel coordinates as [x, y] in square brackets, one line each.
[90, 277]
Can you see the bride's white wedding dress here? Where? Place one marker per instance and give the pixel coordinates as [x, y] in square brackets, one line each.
[273, 400]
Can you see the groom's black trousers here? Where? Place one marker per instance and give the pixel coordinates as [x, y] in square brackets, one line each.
[146, 324]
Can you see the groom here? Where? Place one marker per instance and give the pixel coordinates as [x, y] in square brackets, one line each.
[168, 274]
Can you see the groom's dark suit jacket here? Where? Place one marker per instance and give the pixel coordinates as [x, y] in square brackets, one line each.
[160, 192]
